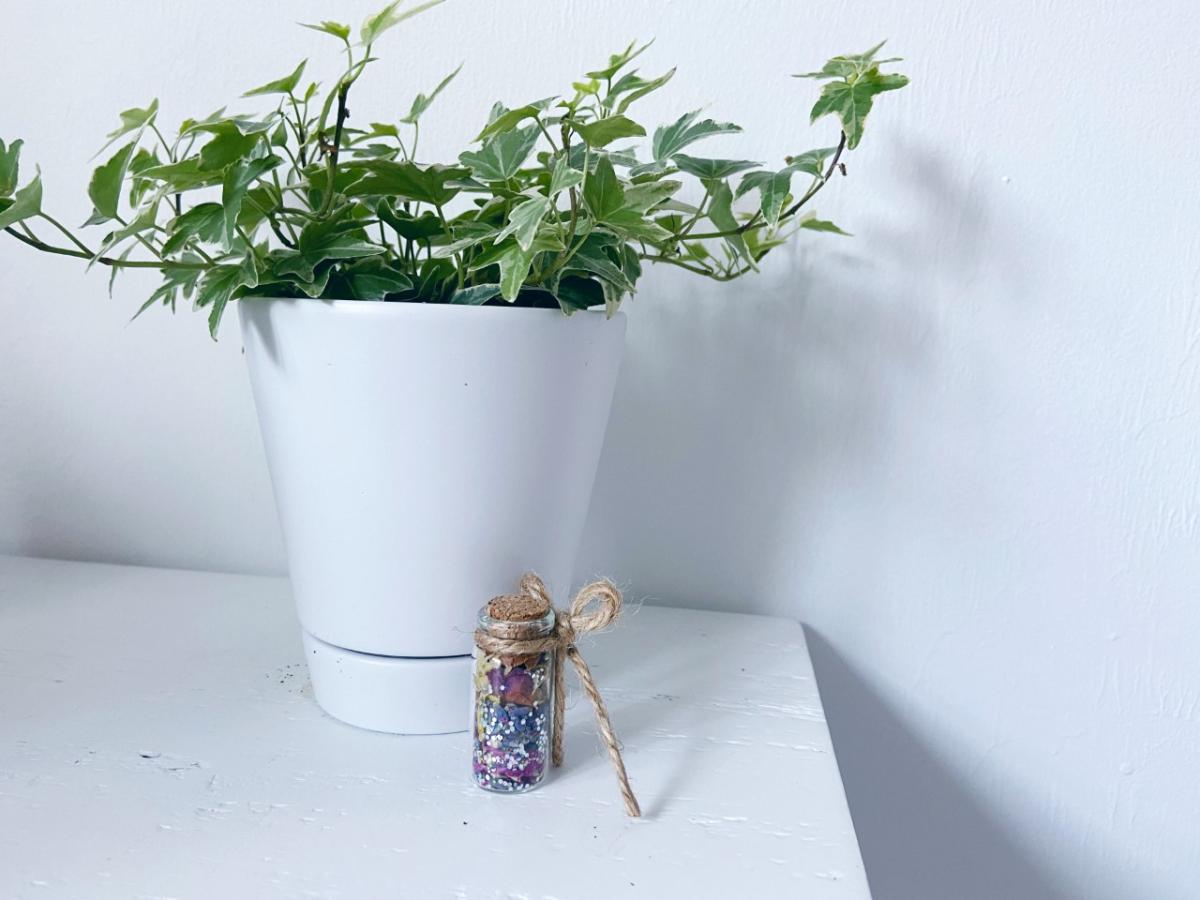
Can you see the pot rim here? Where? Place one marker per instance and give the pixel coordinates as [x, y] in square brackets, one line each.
[381, 307]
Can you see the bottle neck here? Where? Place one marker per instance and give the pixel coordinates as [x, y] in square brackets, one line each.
[516, 630]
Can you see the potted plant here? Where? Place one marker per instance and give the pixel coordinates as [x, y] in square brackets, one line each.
[432, 347]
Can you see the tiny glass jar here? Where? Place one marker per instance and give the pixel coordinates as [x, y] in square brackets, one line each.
[513, 700]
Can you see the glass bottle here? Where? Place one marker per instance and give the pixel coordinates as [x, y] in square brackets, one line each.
[513, 699]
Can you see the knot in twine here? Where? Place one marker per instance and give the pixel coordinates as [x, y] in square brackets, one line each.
[596, 606]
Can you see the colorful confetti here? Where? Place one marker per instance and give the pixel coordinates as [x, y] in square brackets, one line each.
[512, 721]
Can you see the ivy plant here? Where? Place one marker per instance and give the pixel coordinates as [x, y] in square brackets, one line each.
[556, 203]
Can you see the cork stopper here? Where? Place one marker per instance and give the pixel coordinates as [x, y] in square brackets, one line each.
[517, 608]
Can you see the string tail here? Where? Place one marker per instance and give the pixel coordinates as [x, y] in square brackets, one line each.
[606, 732]
[560, 708]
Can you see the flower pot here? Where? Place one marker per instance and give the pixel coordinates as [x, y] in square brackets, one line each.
[423, 456]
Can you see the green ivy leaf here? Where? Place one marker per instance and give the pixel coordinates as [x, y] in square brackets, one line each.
[228, 144]
[375, 281]
[635, 226]
[467, 235]
[575, 293]
[502, 155]
[284, 85]
[182, 176]
[138, 187]
[711, 169]
[346, 247]
[549, 239]
[655, 168]
[387, 178]
[503, 120]
[413, 228]
[214, 124]
[602, 192]
[218, 286]
[131, 120]
[684, 131]
[324, 240]
[317, 285]
[811, 162]
[773, 194]
[260, 199]
[851, 102]
[105, 186]
[524, 220]
[514, 269]
[206, 222]
[319, 233]
[618, 61]
[250, 273]
[10, 167]
[389, 17]
[563, 177]
[141, 224]
[477, 295]
[175, 281]
[337, 29]
[382, 129]
[237, 181]
[856, 81]
[720, 211]
[823, 225]
[633, 87]
[592, 256]
[849, 65]
[421, 102]
[602, 132]
[436, 280]
[647, 195]
[612, 298]
[26, 203]
[285, 263]
[773, 188]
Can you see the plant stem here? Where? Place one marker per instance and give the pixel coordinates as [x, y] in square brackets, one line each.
[683, 232]
[458, 258]
[170, 148]
[791, 211]
[301, 138]
[342, 114]
[271, 217]
[141, 240]
[540, 125]
[566, 254]
[162, 140]
[715, 276]
[812, 191]
[103, 260]
[74, 240]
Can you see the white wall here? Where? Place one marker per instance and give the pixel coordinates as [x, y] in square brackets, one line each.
[962, 446]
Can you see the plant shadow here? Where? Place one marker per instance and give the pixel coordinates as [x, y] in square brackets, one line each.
[760, 408]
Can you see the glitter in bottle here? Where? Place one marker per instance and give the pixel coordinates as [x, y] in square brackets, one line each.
[513, 699]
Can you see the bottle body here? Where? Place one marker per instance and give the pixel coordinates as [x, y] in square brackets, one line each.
[513, 709]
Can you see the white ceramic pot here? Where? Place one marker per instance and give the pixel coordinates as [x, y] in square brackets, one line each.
[423, 457]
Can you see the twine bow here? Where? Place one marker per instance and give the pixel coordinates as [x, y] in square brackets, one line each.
[596, 606]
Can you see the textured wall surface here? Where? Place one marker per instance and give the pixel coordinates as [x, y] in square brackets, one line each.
[961, 446]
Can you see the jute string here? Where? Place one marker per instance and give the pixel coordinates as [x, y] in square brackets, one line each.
[596, 606]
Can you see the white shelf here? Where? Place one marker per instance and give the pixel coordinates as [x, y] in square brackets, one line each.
[158, 740]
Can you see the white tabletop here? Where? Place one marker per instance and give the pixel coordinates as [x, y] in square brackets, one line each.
[158, 739]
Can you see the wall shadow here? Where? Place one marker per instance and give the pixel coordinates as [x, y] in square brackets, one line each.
[922, 834]
[749, 417]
